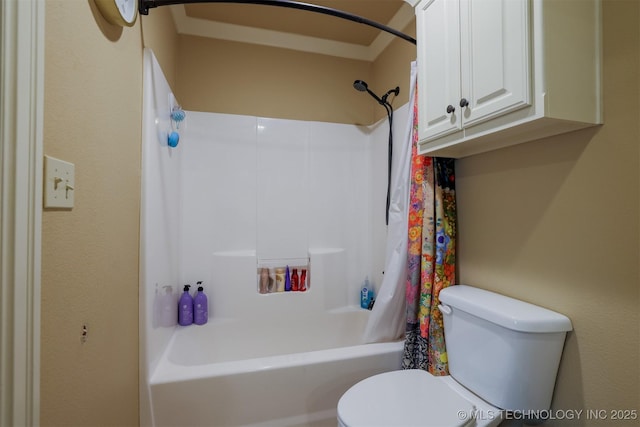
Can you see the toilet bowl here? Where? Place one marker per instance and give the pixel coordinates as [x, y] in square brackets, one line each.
[413, 398]
[494, 344]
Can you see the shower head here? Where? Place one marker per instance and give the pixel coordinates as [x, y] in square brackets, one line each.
[361, 85]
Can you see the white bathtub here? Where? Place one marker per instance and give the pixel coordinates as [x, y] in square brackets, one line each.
[267, 372]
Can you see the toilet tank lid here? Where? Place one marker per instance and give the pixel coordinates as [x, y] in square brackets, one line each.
[504, 311]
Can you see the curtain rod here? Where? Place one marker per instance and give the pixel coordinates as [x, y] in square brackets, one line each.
[145, 5]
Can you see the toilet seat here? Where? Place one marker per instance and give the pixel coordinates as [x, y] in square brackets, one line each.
[404, 398]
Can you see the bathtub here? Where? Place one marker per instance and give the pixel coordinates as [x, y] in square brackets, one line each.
[265, 372]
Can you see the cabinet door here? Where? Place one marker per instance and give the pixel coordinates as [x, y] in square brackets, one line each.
[495, 52]
[438, 27]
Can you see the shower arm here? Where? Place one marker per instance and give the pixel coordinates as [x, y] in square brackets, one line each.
[145, 5]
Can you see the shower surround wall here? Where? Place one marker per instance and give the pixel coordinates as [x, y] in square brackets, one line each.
[240, 190]
[257, 190]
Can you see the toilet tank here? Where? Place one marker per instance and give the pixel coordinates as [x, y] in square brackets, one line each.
[504, 350]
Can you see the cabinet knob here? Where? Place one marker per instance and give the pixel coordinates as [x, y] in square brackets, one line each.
[450, 109]
[464, 102]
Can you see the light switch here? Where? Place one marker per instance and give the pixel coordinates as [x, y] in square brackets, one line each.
[59, 183]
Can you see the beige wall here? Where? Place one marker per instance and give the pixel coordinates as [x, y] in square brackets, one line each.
[93, 110]
[556, 222]
[159, 35]
[238, 78]
[393, 68]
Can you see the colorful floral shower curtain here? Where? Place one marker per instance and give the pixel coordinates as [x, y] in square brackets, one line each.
[431, 258]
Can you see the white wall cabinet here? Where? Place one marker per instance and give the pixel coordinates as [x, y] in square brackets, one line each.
[494, 73]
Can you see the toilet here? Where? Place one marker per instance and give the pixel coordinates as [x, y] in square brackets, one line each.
[503, 356]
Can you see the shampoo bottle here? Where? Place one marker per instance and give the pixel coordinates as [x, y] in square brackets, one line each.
[200, 307]
[364, 294]
[303, 281]
[264, 281]
[185, 308]
[280, 279]
[287, 280]
[168, 308]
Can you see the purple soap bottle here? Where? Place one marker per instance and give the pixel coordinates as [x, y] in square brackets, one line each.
[185, 308]
[200, 309]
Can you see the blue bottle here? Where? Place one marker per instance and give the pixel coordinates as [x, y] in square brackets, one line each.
[365, 294]
[185, 308]
[200, 307]
[372, 295]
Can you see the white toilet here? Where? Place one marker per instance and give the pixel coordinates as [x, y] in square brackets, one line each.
[503, 355]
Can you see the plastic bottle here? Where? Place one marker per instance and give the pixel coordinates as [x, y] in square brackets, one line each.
[157, 308]
[168, 308]
[364, 294]
[264, 281]
[303, 281]
[185, 308]
[279, 279]
[287, 280]
[200, 307]
[295, 281]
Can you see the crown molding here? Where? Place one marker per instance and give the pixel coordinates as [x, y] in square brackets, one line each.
[219, 30]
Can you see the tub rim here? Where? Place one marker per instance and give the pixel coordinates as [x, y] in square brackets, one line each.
[169, 372]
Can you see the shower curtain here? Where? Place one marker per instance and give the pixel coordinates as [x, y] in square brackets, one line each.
[420, 252]
[430, 259]
[387, 319]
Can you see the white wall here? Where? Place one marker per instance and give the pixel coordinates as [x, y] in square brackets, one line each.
[159, 213]
[280, 189]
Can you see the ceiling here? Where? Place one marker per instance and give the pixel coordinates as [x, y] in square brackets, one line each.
[298, 29]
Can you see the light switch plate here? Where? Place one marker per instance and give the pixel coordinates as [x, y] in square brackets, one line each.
[59, 183]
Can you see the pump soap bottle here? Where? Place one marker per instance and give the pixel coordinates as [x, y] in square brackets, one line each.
[200, 307]
[185, 308]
